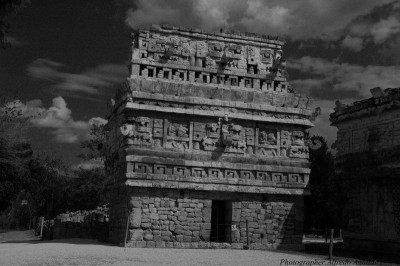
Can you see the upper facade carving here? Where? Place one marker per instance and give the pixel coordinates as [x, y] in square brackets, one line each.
[229, 59]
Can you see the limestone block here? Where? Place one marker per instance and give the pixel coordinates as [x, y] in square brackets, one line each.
[146, 225]
[148, 236]
[135, 218]
[187, 233]
[134, 203]
[150, 244]
[205, 235]
[207, 214]
[187, 238]
[140, 244]
[136, 234]
[236, 214]
[154, 216]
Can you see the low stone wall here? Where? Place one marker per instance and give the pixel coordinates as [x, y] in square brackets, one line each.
[183, 219]
[82, 224]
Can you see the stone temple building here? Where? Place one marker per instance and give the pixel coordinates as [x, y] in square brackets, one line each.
[368, 163]
[207, 137]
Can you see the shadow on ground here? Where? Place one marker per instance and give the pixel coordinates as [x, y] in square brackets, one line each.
[338, 251]
[75, 241]
[28, 237]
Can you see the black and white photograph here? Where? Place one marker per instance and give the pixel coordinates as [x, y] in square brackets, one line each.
[199, 132]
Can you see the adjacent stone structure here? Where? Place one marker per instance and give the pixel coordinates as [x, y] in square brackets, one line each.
[205, 136]
[368, 163]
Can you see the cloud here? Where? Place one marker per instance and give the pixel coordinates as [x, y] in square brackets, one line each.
[297, 19]
[322, 124]
[353, 43]
[91, 81]
[58, 118]
[330, 80]
[384, 29]
[326, 81]
[376, 27]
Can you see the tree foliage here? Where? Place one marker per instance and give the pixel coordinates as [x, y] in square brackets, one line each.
[93, 148]
[323, 206]
[15, 151]
[7, 8]
[43, 180]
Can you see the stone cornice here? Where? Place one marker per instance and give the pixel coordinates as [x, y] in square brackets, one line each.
[193, 112]
[227, 35]
[216, 187]
[388, 101]
[277, 167]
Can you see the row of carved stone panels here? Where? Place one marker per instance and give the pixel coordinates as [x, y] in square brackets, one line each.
[200, 174]
[215, 135]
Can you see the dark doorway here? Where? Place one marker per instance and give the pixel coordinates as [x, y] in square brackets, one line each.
[221, 220]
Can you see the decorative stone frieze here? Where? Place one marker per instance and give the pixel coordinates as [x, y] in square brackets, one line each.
[205, 134]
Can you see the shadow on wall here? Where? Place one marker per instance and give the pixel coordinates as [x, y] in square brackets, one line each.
[288, 221]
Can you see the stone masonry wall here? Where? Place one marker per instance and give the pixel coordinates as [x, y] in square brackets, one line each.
[370, 210]
[367, 162]
[81, 224]
[205, 139]
[369, 133]
[177, 218]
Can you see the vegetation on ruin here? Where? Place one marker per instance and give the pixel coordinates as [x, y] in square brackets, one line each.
[33, 185]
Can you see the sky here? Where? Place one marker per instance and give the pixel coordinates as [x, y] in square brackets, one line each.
[67, 57]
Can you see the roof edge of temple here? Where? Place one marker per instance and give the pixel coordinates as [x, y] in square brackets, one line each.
[226, 33]
[381, 100]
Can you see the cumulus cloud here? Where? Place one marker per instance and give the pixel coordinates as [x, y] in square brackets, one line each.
[58, 118]
[297, 19]
[91, 81]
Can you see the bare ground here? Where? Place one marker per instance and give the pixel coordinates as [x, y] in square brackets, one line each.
[23, 251]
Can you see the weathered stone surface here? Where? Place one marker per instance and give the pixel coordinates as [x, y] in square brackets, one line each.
[207, 125]
[367, 161]
[135, 218]
[136, 234]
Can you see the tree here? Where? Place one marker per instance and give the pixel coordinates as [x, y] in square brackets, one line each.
[15, 151]
[45, 182]
[322, 207]
[93, 148]
[90, 184]
[8, 7]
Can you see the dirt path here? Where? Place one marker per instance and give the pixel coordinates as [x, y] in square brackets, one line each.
[17, 236]
[91, 252]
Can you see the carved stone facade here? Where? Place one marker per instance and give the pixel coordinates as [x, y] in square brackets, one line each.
[207, 124]
[368, 163]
